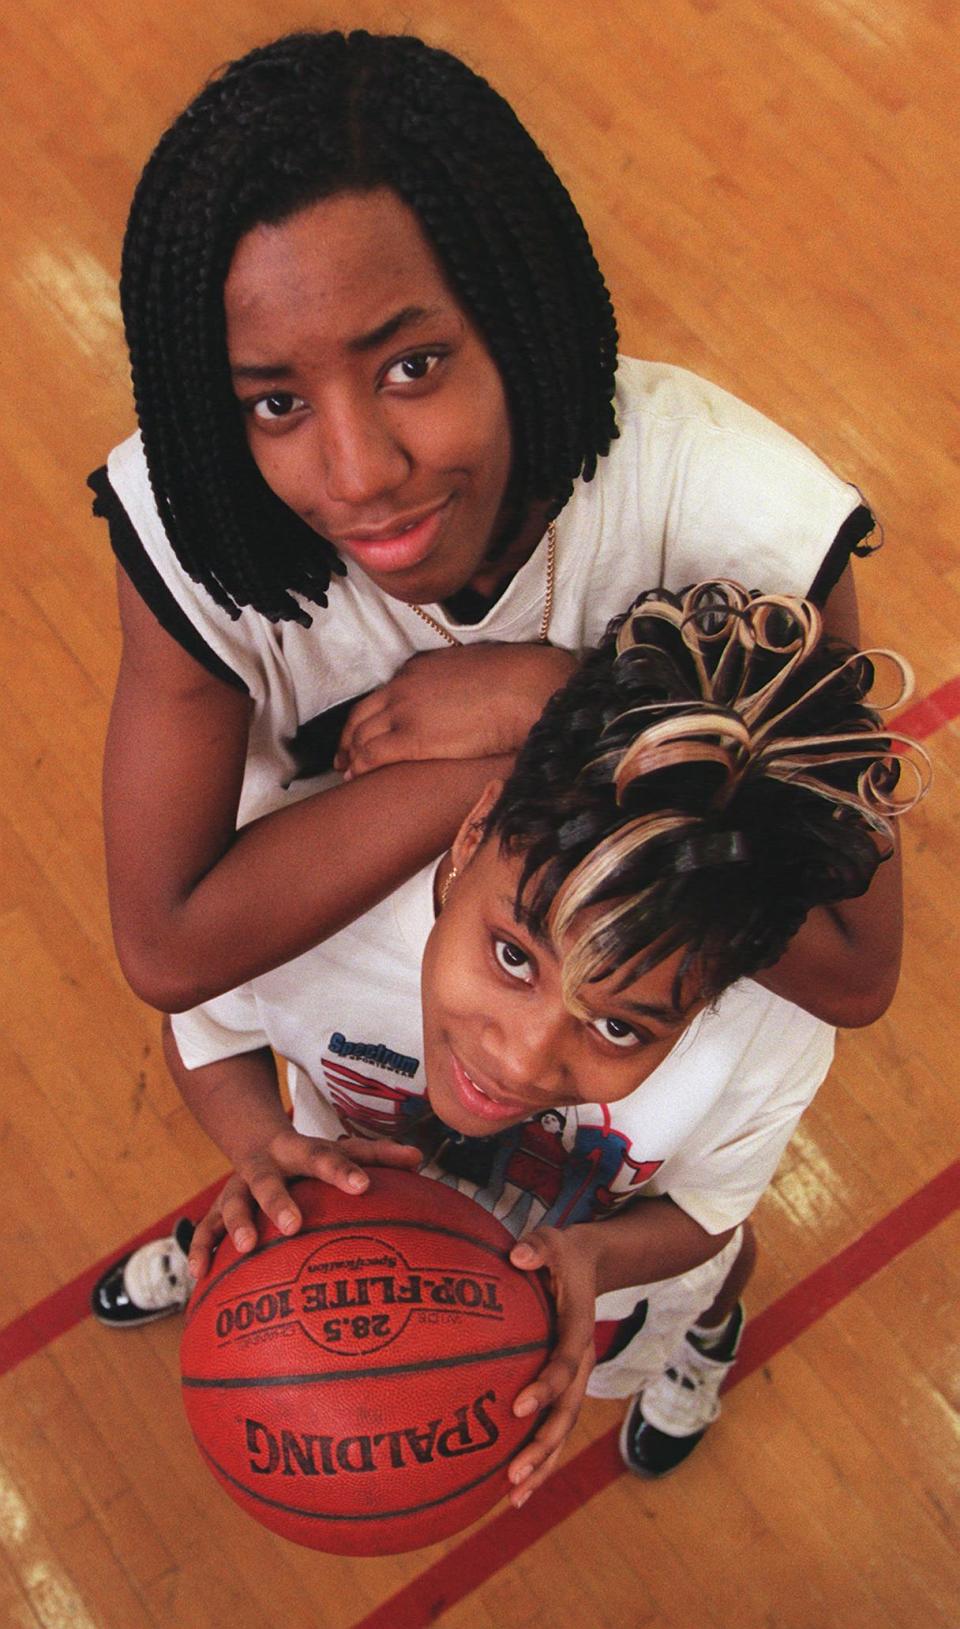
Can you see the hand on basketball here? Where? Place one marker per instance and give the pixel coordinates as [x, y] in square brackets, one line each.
[259, 1185]
[476, 701]
[561, 1384]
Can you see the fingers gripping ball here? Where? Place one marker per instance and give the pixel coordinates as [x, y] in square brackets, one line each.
[352, 1387]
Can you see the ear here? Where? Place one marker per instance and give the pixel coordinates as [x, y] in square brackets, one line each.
[470, 835]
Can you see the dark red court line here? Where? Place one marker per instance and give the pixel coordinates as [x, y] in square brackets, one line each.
[70, 1304]
[932, 712]
[481, 1555]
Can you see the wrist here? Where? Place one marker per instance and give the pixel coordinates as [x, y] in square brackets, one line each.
[585, 1241]
[622, 1248]
[254, 1142]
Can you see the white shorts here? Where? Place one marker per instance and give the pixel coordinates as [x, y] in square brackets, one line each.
[672, 1306]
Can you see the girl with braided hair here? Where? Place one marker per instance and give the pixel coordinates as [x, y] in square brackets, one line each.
[587, 1039]
[390, 474]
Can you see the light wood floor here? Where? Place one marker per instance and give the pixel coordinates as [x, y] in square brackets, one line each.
[771, 186]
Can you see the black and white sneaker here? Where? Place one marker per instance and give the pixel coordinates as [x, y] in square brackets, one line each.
[667, 1419]
[150, 1283]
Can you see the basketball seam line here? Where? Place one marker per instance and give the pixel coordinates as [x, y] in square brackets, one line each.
[421, 1366]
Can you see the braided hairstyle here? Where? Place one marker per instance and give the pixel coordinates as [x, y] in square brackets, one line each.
[296, 121]
[710, 774]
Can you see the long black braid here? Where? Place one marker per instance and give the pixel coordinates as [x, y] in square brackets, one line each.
[298, 120]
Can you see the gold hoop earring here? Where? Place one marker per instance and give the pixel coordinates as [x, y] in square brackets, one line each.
[445, 889]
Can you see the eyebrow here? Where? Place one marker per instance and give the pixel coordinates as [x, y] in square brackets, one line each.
[260, 370]
[524, 919]
[641, 1009]
[407, 317]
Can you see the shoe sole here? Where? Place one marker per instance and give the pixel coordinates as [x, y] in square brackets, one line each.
[138, 1322]
[641, 1471]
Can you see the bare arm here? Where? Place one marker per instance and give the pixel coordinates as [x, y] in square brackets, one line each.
[237, 1103]
[645, 1242]
[198, 908]
[844, 963]
[475, 700]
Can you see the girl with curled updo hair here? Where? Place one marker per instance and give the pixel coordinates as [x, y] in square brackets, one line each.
[576, 994]
[390, 476]
[712, 774]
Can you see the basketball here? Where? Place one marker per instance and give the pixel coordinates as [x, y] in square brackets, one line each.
[351, 1387]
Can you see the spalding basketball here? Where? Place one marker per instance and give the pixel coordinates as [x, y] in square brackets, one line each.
[352, 1387]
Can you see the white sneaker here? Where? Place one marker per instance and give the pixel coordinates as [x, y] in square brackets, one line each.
[668, 1418]
[151, 1283]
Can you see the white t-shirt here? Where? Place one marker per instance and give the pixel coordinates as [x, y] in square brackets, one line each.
[697, 485]
[708, 1127]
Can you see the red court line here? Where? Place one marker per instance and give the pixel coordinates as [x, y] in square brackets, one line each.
[932, 712]
[70, 1304]
[485, 1552]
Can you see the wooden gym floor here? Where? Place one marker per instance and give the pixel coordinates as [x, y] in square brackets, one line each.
[771, 187]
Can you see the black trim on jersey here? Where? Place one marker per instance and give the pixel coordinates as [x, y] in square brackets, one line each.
[148, 582]
[851, 539]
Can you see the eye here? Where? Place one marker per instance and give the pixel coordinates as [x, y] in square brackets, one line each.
[411, 369]
[616, 1032]
[513, 960]
[279, 405]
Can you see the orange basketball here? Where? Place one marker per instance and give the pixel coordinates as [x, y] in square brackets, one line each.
[352, 1387]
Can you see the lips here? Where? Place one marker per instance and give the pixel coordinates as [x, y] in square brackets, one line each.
[479, 1101]
[400, 546]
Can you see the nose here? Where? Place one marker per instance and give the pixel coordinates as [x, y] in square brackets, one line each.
[363, 461]
[529, 1060]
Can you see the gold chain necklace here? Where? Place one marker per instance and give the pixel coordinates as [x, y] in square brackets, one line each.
[451, 639]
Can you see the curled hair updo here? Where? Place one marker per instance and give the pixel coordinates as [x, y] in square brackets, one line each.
[291, 123]
[709, 775]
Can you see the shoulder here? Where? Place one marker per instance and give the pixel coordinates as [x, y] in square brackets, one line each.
[770, 1055]
[707, 486]
[750, 1048]
[660, 398]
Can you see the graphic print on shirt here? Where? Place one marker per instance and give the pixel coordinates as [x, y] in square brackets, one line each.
[557, 1168]
[550, 1169]
[367, 1105]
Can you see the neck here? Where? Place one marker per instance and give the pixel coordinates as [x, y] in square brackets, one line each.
[500, 566]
